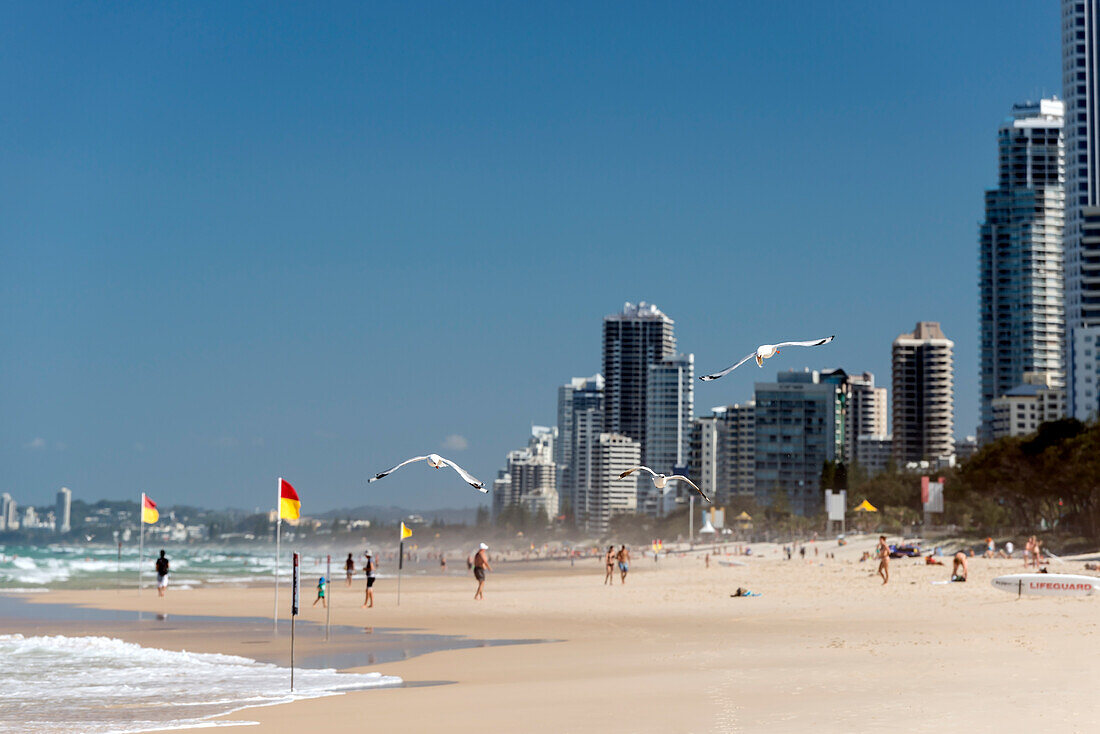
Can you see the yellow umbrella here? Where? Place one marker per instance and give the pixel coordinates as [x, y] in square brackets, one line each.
[866, 506]
[744, 516]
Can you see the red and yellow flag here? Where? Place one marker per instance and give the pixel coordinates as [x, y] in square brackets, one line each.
[290, 507]
[149, 514]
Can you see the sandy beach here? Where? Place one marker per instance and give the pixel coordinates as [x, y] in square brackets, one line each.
[825, 648]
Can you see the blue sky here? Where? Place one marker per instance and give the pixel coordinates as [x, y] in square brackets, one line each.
[244, 240]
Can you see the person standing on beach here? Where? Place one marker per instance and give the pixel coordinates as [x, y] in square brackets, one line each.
[442, 563]
[883, 552]
[162, 575]
[481, 566]
[321, 593]
[624, 563]
[349, 568]
[368, 566]
[609, 566]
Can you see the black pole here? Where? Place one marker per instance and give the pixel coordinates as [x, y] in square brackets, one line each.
[400, 565]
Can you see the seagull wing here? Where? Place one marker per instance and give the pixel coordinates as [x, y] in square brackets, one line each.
[391, 470]
[723, 373]
[813, 343]
[473, 482]
[682, 478]
[628, 472]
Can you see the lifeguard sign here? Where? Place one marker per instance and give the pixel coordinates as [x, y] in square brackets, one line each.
[836, 504]
[931, 495]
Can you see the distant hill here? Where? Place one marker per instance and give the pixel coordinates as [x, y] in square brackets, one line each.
[393, 513]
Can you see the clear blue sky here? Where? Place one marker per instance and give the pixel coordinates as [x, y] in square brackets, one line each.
[243, 240]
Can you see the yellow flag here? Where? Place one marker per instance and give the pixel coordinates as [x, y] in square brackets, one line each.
[405, 532]
[149, 514]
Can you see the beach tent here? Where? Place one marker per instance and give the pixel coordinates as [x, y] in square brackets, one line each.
[865, 506]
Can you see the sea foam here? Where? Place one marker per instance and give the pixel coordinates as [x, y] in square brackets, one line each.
[101, 684]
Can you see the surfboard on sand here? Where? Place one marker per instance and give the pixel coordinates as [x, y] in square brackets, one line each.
[1048, 584]
[731, 563]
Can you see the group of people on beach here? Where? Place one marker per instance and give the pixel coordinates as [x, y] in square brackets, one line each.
[620, 558]
[478, 562]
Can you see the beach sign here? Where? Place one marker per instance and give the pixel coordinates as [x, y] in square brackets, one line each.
[1048, 584]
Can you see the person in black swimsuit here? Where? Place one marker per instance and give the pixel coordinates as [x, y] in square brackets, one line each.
[368, 566]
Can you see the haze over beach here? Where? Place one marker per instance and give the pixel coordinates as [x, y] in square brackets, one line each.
[550, 368]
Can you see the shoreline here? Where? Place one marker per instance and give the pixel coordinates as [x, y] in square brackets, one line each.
[825, 648]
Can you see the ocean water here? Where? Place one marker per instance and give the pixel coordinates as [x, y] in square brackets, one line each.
[100, 684]
[31, 568]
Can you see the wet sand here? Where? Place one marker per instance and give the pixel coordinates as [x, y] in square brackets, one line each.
[826, 648]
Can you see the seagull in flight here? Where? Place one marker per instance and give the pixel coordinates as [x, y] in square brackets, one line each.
[436, 462]
[766, 351]
[660, 480]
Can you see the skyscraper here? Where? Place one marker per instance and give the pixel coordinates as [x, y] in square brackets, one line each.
[632, 340]
[795, 434]
[529, 479]
[608, 495]
[924, 395]
[865, 414]
[1022, 304]
[723, 451]
[580, 395]
[64, 506]
[587, 427]
[670, 407]
[1080, 77]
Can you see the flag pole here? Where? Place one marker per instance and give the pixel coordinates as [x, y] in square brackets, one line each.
[141, 540]
[328, 593]
[400, 564]
[278, 532]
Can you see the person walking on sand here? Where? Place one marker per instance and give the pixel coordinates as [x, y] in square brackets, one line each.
[883, 552]
[349, 568]
[162, 575]
[321, 593]
[368, 567]
[707, 560]
[623, 557]
[609, 566]
[442, 563]
[481, 566]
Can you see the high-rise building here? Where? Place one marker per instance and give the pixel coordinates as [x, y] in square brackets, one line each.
[587, 427]
[1024, 408]
[924, 395]
[581, 394]
[609, 495]
[1022, 304]
[5, 501]
[670, 407]
[529, 479]
[64, 506]
[632, 340]
[865, 413]
[11, 512]
[874, 452]
[796, 433]
[1080, 80]
[723, 451]
[502, 493]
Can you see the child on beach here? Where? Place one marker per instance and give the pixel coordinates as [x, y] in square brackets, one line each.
[321, 593]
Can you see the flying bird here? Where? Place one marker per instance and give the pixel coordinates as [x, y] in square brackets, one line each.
[660, 480]
[436, 462]
[766, 351]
